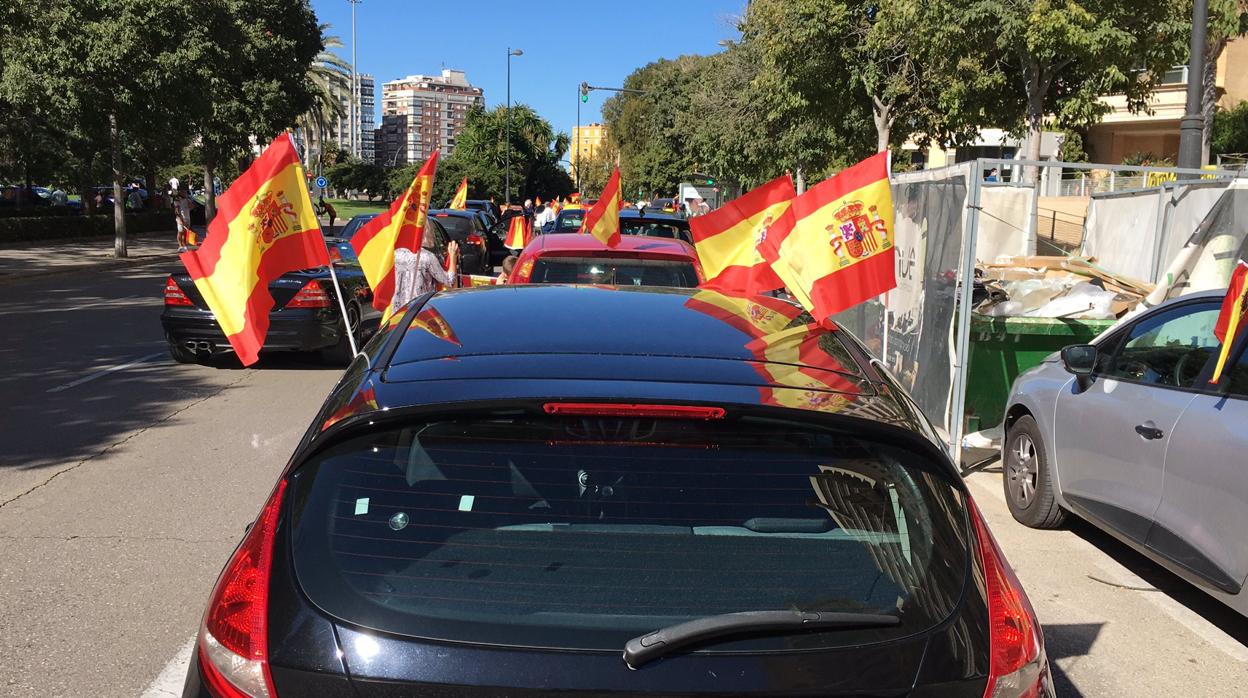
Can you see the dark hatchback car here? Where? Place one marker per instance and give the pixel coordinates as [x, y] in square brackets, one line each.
[467, 229]
[646, 223]
[305, 315]
[659, 493]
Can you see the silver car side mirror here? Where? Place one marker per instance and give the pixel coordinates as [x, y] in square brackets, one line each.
[1079, 359]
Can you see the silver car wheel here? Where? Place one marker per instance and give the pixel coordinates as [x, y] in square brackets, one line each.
[1021, 470]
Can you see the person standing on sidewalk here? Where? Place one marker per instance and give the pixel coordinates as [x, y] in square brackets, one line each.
[182, 217]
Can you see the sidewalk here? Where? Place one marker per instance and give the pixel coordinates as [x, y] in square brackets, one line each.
[31, 259]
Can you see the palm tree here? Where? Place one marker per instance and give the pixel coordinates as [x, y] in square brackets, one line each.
[330, 78]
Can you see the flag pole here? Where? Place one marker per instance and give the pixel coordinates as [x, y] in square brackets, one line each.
[342, 305]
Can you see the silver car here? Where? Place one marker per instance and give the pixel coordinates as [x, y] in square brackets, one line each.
[1130, 434]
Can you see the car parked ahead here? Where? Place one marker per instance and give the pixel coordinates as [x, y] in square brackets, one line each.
[571, 258]
[554, 490]
[467, 229]
[1128, 433]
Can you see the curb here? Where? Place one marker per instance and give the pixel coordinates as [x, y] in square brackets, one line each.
[94, 266]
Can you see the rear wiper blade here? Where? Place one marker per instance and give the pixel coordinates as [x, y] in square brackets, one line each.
[651, 646]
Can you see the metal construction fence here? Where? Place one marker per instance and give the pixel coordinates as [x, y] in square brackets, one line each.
[1183, 223]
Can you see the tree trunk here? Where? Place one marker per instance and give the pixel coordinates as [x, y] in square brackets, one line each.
[119, 202]
[1209, 96]
[882, 114]
[1036, 89]
[210, 194]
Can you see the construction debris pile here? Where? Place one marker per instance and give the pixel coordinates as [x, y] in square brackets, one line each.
[1055, 287]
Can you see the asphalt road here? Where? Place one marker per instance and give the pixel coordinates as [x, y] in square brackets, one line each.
[126, 479]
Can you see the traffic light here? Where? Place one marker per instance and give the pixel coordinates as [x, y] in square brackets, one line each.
[585, 92]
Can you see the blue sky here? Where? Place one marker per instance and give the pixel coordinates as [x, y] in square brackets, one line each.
[406, 37]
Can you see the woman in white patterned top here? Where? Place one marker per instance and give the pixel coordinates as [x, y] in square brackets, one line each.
[418, 273]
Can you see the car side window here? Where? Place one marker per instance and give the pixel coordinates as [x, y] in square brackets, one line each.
[1168, 349]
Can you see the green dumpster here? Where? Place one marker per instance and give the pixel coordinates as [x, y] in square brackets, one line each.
[1003, 347]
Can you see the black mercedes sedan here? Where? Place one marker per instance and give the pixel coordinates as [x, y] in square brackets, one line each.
[561, 490]
[305, 316]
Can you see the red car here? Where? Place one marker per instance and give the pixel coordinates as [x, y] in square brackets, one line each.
[572, 258]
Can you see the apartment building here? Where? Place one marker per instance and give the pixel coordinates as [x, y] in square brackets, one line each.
[586, 140]
[422, 113]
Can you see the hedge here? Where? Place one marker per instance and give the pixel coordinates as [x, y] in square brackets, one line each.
[36, 211]
[60, 227]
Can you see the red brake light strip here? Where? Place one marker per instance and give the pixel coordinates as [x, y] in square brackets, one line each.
[614, 409]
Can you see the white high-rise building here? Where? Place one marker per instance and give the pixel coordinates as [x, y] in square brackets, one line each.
[421, 113]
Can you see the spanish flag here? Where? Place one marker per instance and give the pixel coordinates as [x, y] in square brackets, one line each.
[833, 248]
[728, 239]
[603, 220]
[265, 226]
[402, 226]
[1231, 319]
[460, 200]
[519, 232]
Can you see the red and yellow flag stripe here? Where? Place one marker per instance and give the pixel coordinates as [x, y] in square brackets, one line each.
[265, 226]
[1231, 318]
[833, 248]
[519, 232]
[401, 226]
[728, 239]
[603, 220]
[460, 201]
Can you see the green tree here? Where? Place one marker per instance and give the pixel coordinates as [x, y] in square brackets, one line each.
[329, 79]
[1228, 19]
[97, 72]
[255, 78]
[1062, 55]
[480, 155]
[1230, 130]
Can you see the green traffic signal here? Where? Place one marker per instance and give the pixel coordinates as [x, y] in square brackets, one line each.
[585, 98]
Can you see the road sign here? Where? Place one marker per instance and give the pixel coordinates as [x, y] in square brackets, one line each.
[322, 182]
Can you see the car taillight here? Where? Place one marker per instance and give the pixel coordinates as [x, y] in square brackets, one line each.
[233, 640]
[614, 409]
[174, 294]
[1018, 667]
[474, 239]
[312, 295]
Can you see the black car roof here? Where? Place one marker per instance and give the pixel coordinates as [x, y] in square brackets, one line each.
[549, 341]
[652, 214]
[461, 213]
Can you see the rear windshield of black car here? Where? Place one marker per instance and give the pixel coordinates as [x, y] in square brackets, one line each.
[613, 272]
[655, 229]
[457, 227]
[582, 532]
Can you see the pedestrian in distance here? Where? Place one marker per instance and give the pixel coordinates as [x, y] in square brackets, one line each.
[328, 210]
[134, 200]
[59, 197]
[419, 272]
[992, 175]
[100, 201]
[173, 187]
[182, 218]
[528, 209]
[508, 265]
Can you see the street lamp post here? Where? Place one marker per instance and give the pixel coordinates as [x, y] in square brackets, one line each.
[353, 108]
[1192, 125]
[507, 191]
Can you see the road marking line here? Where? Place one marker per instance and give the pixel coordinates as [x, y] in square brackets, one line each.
[170, 679]
[105, 372]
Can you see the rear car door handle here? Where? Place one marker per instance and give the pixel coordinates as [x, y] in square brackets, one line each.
[1149, 432]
